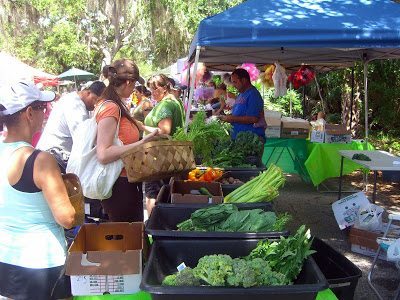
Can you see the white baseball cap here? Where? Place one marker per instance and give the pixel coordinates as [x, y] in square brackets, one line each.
[20, 95]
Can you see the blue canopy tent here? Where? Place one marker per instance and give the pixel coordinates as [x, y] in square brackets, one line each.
[325, 34]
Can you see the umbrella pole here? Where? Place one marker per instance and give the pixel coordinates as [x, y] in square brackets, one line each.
[76, 87]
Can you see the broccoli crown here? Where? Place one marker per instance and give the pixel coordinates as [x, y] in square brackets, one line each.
[186, 278]
[264, 273]
[169, 280]
[243, 274]
[214, 269]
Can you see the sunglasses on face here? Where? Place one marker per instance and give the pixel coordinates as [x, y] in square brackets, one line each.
[42, 107]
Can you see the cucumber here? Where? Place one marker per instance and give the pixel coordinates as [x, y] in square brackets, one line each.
[204, 191]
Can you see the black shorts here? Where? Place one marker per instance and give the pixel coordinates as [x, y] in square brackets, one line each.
[126, 202]
[33, 284]
[152, 188]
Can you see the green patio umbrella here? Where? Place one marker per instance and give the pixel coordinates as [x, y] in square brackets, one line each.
[76, 74]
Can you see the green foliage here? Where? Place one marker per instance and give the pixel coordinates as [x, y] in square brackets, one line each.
[282, 103]
[385, 141]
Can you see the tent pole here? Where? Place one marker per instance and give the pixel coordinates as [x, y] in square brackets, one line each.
[192, 82]
[290, 103]
[366, 100]
[352, 97]
[186, 96]
[366, 115]
[304, 102]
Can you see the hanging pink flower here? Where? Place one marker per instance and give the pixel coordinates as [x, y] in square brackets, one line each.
[252, 70]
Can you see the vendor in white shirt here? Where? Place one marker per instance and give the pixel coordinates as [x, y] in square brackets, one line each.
[71, 110]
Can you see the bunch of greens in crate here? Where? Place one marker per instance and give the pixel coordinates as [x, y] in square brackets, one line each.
[270, 263]
[248, 143]
[228, 218]
[286, 255]
[234, 153]
[203, 134]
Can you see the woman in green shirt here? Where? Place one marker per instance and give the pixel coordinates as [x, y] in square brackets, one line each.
[168, 116]
[168, 113]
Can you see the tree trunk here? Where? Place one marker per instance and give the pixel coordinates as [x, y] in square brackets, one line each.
[353, 111]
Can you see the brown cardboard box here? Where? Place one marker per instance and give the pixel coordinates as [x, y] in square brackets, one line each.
[180, 192]
[295, 123]
[295, 128]
[106, 258]
[367, 239]
[273, 129]
[337, 133]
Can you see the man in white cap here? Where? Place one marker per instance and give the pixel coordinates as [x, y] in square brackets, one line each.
[70, 111]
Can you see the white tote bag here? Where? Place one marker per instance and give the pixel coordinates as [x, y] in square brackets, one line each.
[96, 179]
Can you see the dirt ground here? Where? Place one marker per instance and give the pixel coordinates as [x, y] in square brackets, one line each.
[311, 206]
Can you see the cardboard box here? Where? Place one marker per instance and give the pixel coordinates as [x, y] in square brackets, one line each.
[180, 192]
[295, 128]
[367, 239]
[337, 133]
[367, 251]
[273, 132]
[364, 242]
[295, 133]
[273, 129]
[106, 258]
[272, 114]
[317, 136]
[295, 123]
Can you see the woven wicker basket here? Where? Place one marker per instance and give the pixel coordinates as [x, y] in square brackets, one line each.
[158, 160]
[75, 194]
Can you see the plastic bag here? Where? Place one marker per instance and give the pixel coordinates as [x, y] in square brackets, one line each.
[369, 217]
[279, 78]
[301, 77]
[393, 252]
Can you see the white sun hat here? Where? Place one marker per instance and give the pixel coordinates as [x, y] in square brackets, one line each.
[20, 95]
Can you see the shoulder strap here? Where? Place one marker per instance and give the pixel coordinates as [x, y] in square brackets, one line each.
[120, 114]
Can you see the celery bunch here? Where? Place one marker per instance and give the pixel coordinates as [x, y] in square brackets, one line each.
[263, 188]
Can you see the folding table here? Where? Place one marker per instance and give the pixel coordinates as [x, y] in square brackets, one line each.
[380, 161]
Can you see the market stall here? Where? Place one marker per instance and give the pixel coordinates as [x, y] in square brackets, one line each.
[325, 35]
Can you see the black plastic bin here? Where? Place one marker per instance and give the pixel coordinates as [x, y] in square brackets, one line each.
[242, 175]
[166, 255]
[391, 176]
[164, 199]
[341, 273]
[163, 220]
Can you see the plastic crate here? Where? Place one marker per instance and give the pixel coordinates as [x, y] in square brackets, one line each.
[166, 255]
[341, 273]
[163, 220]
[164, 199]
[242, 175]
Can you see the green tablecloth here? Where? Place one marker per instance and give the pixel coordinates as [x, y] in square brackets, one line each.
[137, 296]
[288, 154]
[323, 161]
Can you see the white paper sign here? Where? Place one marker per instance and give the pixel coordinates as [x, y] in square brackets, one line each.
[345, 209]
